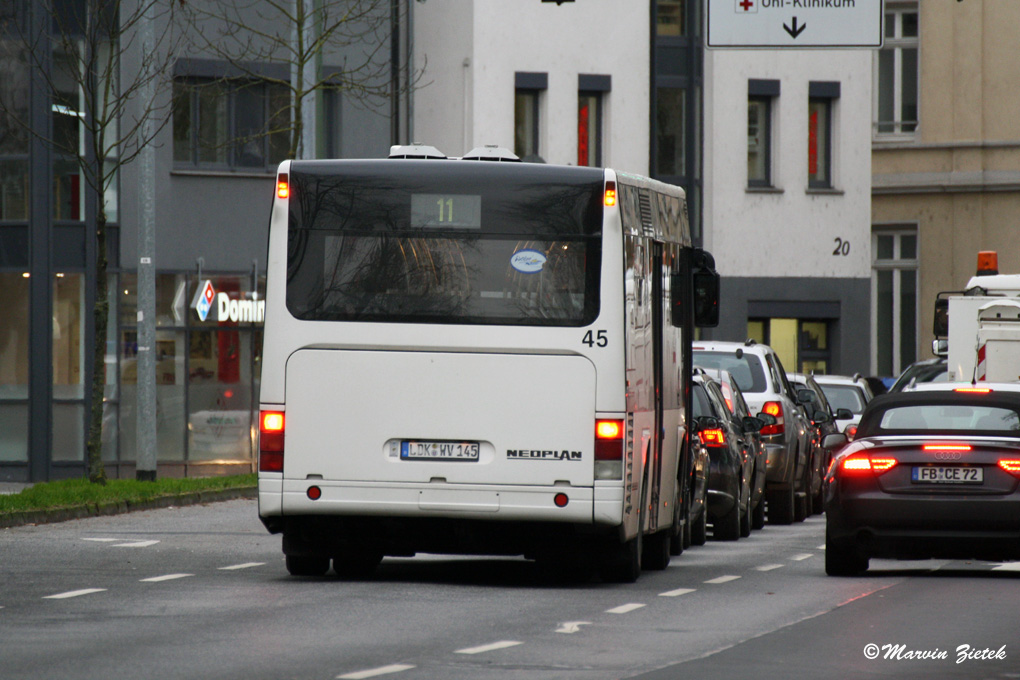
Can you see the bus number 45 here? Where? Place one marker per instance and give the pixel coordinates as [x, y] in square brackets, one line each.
[596, 339]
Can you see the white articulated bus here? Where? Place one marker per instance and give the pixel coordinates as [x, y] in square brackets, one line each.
[477, 357]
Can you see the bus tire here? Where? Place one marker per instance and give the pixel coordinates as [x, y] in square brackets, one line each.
[625, 565]
[307, 565]
[656, 550]
[356, 566]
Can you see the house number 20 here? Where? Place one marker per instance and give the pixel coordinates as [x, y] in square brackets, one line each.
[842, 247]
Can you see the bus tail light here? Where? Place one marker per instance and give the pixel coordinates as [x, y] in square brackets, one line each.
[271, 431]
[774, 409]
[610, 194]
[608, 449]
[282, 186]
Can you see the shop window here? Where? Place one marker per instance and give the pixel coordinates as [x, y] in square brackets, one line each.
[13, 367]
[802, 344]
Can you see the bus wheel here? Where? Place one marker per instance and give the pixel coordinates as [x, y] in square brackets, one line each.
[356, 565]
[304, 565]
[623, 565]
[656, 551]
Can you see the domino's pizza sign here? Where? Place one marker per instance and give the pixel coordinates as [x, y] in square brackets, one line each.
[204, 297]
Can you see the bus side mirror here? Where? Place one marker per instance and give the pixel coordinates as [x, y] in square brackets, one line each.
[706, 298]
[940, 326]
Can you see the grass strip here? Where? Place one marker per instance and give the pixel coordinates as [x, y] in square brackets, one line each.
[74, 493]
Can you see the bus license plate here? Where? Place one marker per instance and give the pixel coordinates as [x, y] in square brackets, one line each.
[931, 474]
[418, 450]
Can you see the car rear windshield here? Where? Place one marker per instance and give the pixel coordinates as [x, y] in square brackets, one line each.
[444, 242]
[747, 370]
[950, 417]
[844, 396]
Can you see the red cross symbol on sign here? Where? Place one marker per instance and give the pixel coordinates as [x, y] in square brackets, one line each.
[747, 5]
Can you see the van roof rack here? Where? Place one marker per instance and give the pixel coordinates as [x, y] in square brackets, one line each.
[491, 152]
[415, 150]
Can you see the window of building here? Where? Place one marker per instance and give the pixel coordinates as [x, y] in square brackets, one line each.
[821, 101]
[761, 95]
[590, 103]
[802, 344]
[527, 99]
[230, 124]
[896, 72]
[894, 298]
[671, 142]
[669, 18]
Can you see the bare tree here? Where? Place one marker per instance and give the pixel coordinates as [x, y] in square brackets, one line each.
[347, 46]
[100, 124]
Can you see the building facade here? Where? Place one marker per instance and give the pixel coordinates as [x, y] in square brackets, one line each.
[215, 160]
[945, 161]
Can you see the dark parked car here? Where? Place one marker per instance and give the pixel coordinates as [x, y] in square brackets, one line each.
[731, 463]
[754, 443]
[933, 473]
[819, 411]
[927, 370]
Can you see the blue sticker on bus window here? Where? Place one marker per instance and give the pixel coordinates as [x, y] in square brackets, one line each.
[527, 261]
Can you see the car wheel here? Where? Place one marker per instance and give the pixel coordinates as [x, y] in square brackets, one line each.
[758, 514]
[699, 531]
[304, 565]
[842, 559]
[781, 506]
[745, 517]
[727, 527]
[681, 523]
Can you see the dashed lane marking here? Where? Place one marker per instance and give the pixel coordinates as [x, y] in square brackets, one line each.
[74, 593]
[821, 547]
[246, 565]
[165, 577]
[376, 672]
[770, 567]
[135, 544]
[502, 644]
[625, 608]
[801, 556]
[677, 593]
[102, 540]
[723, 579]
[1011, 566]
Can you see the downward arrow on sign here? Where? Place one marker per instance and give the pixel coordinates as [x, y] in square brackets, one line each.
[796, 30]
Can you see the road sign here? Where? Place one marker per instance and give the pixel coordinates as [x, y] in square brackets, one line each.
[794, 23]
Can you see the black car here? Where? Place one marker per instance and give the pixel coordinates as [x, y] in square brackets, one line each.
[933, 473]
[731, 461]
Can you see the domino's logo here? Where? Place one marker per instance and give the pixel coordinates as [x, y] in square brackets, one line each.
[204, 299]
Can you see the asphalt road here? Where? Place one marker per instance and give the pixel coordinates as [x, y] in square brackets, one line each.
[202, 592]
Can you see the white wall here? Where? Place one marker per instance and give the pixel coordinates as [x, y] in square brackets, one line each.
[499, 38]
[790, 232]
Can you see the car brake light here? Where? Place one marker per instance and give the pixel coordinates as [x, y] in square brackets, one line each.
[271, 433]
[947, 447]
[862, 462]
[712, 437]
[608, 440]
[1011, 465]
[973, 390]
[283, 185]
[775, 409]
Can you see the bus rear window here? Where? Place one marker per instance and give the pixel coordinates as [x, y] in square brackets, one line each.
[430, 242]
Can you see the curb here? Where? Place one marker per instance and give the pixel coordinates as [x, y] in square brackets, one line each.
[17, 519]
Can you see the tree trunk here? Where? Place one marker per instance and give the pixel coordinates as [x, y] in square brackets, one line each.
[94, 446]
